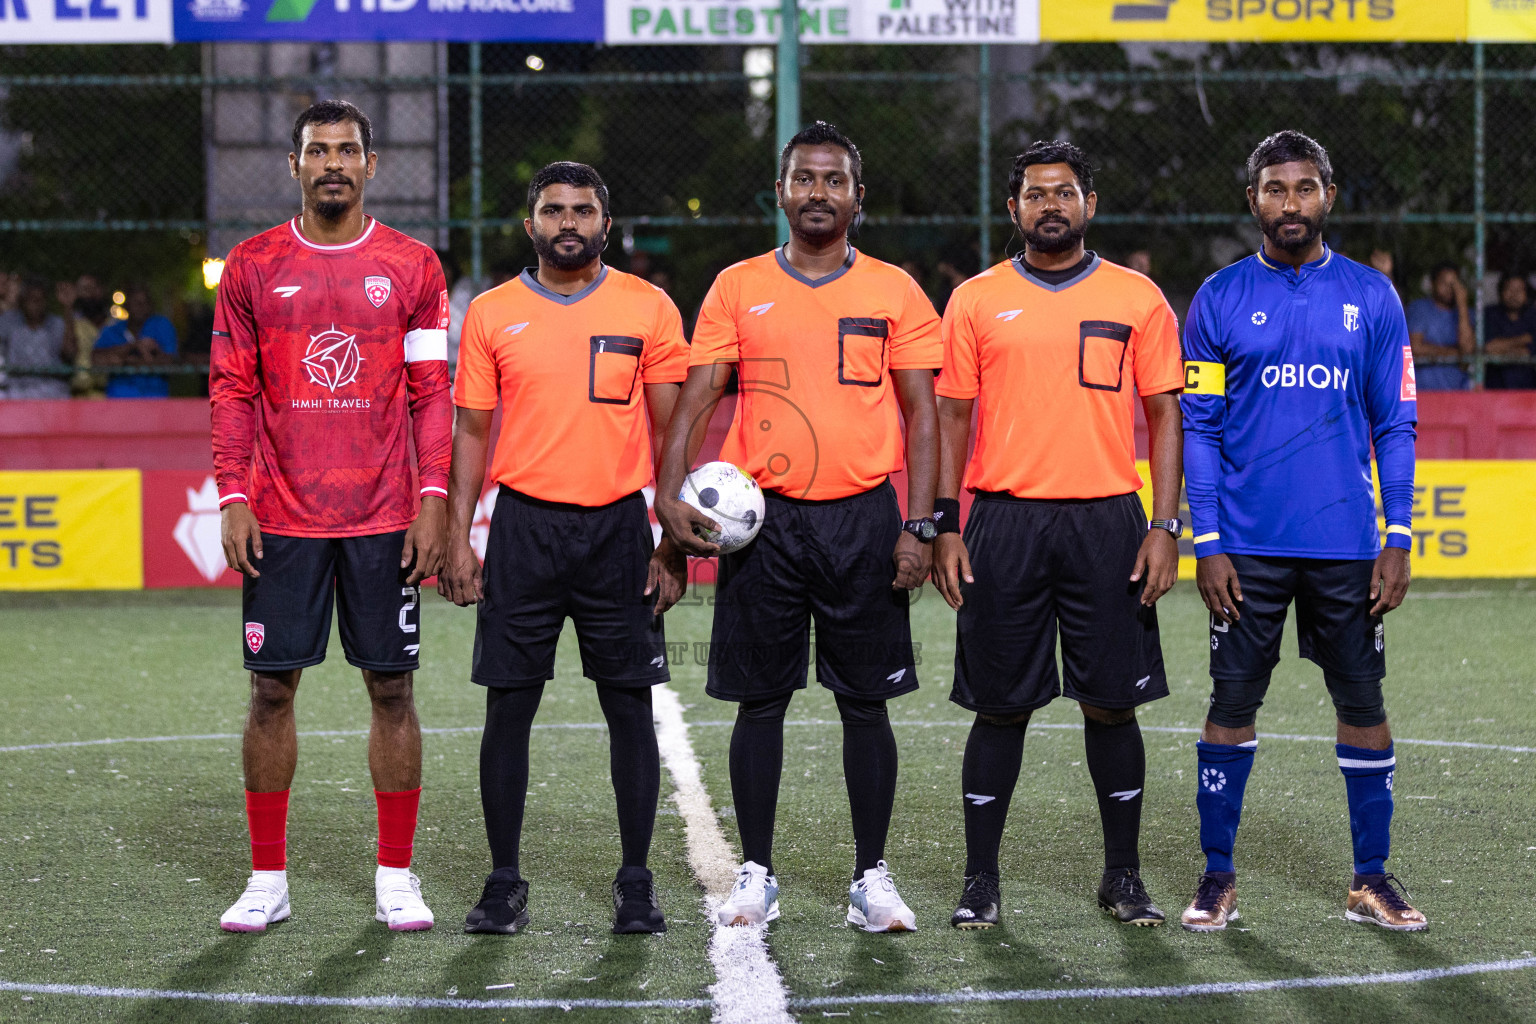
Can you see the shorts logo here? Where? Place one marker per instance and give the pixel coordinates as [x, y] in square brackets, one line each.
[1141, 684]
[1381, 637]
[377, 290]
[895, 677]
[1260, 318]
[255, 636]
[1213, 779]
[1351, 317]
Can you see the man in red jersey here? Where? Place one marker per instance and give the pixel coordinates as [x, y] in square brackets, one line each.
[329, 357]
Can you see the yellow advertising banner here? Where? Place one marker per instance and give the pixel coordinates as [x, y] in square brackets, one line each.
[1259, 20]
[1501, 21]
[1471, 518]
[71, 530]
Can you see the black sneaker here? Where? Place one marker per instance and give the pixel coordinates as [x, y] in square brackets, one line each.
[503, 906]
[635, 910]
[978, 907]
[1122, 894]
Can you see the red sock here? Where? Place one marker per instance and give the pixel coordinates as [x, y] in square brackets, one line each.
[267, 814]
[397, 826]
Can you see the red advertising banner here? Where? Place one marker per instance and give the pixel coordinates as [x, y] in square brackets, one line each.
[181, 531]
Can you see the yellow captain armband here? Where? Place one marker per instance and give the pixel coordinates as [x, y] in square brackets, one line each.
[1205, 378]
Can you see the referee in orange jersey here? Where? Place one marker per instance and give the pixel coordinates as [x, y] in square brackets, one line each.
[1052, 344]
[585, 362]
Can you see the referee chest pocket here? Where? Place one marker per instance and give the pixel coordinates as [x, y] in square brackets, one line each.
[612, 369]
[1101, 346]
[861, 350]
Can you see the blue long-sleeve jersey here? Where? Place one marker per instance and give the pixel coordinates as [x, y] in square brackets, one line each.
[1291, 376]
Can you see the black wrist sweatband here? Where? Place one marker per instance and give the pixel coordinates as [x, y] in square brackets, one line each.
[946, 514]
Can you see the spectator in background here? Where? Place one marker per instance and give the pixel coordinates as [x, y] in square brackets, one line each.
[31, 338]
[144, 339]
[1141, 262]
[86, 312]
[1383, 260]
[1440, 326]
[1509, 329]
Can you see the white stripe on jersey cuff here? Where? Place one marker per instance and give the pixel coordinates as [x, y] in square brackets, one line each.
[1205, 537]
[442, 491]
[1400, 529]
[237, 496]
[423, 344]
[1351, 762]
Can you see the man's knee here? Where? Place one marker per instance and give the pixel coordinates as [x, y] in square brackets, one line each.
[273, 694]
[1107, 716]
[1017, 721]
[389, 693]
[860, 711]
[770, 709]
[1235, 703]
[1359, 704]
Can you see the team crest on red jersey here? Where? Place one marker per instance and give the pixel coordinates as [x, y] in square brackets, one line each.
[377, 290]
[255, 636]
[332, 359]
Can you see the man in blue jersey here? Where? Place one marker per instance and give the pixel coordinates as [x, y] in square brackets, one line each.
[1297, 363]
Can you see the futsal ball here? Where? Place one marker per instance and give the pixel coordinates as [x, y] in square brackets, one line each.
[729, 497]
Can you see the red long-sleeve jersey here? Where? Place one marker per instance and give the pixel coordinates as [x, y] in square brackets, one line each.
[327, 361]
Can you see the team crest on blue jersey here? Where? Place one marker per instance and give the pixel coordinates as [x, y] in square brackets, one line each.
[1259, 318]
[377, 290]
[1351, 317]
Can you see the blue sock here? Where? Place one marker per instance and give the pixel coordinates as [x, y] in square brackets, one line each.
[1224, 772]
[1368, 781]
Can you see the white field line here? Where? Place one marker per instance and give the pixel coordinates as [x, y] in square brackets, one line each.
[747, 988]
[1029, 995]
[949, 724]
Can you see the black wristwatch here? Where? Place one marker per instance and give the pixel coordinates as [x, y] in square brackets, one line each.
[1174, 526]
[923, 529]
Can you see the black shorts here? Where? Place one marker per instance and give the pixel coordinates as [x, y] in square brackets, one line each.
[1044, 565]
[1334, 624]
[544, 561]
[822, 561]
[287, 609]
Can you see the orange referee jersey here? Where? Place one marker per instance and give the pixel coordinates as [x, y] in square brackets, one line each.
[817, 415]
[570, 372]
[1054, 368]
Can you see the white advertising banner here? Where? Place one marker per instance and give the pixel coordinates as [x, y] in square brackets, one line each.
[85, 21]
[671, 22]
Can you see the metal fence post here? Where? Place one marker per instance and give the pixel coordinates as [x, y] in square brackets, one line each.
[1479, 204]
[984, 138]
[787, 90]
[476, 177]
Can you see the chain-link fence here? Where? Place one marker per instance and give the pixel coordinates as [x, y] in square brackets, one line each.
[133, 162]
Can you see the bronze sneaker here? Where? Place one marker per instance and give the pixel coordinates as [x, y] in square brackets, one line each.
[1215, 903]
[1374, 900]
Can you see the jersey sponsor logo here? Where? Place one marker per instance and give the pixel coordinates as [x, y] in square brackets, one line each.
[1409, 389]
[1008, 314]
[377, 290]
[761, 309]
[333, 359]
[1260, 318]
[287, 291]
[515, 328]
[1205, 378]
[1351, 317]
[255, 636]
[1306, 375]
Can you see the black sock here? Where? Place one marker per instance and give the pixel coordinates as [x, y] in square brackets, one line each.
[869, 769]
[1118, 764]
[635, 764]
[993, 754]
[757, 760]
[504, 768]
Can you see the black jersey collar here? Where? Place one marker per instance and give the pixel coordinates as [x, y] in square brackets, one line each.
[530, 277]
[788, 268]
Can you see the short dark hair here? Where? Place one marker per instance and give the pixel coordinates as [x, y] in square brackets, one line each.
[1442, 267]
[1054, 151]
[568, 172]
[1510, 275]
[333, 112]
[31, 283]
[823, 134]
[1285, 147]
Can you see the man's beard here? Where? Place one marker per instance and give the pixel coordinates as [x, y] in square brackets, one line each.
[1300, 242]
[835, 227]
[331, 209]
[591, 249]
[1040, 242]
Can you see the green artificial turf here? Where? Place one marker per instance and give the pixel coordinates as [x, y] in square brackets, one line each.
[116, 860]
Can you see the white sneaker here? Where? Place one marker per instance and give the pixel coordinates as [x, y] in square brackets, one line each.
[264, 902]
[398, 900]
[875, 906]
[754, 900]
